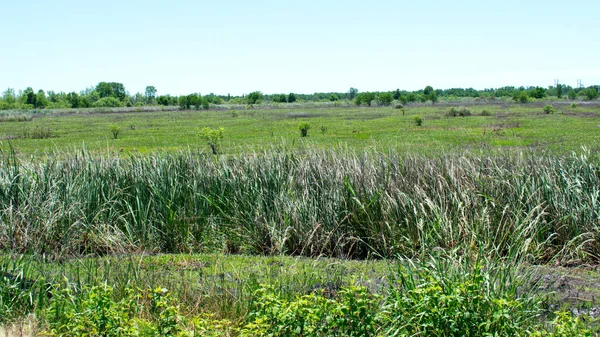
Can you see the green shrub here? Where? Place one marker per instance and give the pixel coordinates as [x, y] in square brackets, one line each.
[234, 114]
[573, 105]
[418, 120]
[323, 129]
[115, 130]
[522, 97]
[107, 102]
[304, 127]
[447, 297]
[462, 112]
[16, 298]
[354, 312]
[548, 109]
[213, 137]
[485, 113]
[565, 325]
[92, 312]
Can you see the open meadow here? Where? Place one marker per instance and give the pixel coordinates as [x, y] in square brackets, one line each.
[496, 126]
[455, 219]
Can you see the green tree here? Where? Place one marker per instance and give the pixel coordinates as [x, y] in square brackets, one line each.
[538, 92]
[367, 98]
[352, 93]
[523, 97]
[9, 96]
[184, 102]
[29, 96]
[73, 99]
[40, 99]
[397, 94]
[150, 94]
[385, 99]
[254, 97]
[333, 97]
[572, 95]
[433, 97]
[559, 90]
[429, 94]
[291, 98]
[428, 90]
[590, 93]
[213, 137]
[111, 89]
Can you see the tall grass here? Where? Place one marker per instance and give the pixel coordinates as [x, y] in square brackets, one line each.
[329, 202]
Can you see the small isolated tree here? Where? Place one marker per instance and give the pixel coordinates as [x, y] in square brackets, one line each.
[115, 130]
[304, 127]
[385, 99]
[213, 137]
[254, 97]
[572, 95]
[333, 97]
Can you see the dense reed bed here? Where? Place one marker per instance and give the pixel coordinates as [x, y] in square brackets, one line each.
[318, 202]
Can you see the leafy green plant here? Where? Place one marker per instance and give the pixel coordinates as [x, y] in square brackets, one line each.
[548, 109]
[565, 324]
[354, 312]
[418, 120]
[304, 127]
[323, 129]
[92, 312]
[462, 112]
[115, 130]
[442, 296]
[573, 105]
[213, 137]
[485, 112]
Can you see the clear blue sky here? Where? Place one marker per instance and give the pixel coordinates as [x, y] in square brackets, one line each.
[301, 46]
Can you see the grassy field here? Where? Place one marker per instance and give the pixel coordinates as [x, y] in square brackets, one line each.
[370, 226]
[509, 126]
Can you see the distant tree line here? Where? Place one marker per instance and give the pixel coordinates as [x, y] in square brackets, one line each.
[114, 94]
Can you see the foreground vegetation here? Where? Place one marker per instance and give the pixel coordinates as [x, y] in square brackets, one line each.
[214, 295]
[453, 244]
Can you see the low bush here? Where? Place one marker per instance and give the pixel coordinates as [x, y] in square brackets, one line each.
[442, 296]
[418, 120]
[353, 312]
[548, 109]
[462, 112]
[304, 127]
